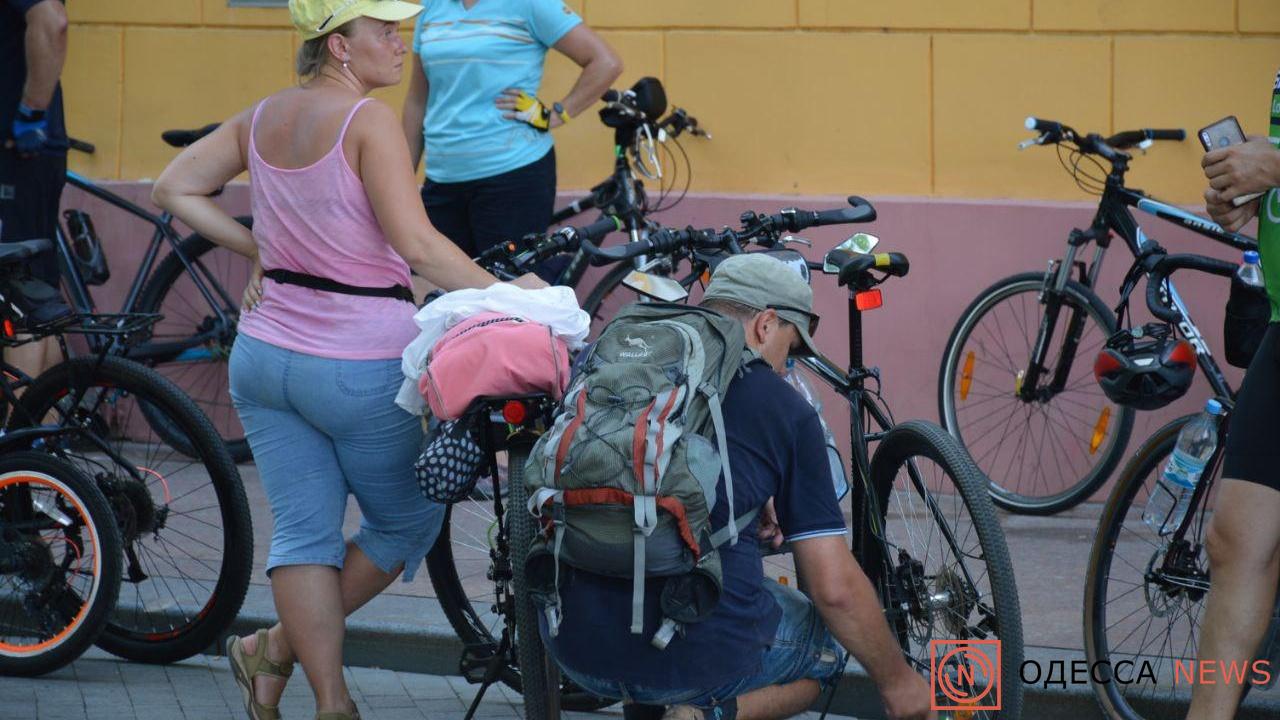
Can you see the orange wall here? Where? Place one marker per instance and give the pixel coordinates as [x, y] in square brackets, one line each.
[879, 97]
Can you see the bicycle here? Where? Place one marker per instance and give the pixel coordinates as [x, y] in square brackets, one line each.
[185, 529]
[917, 476]
[471, 565]
[1138, 579]
[641, 127]
[196, 288]
[1019, 361]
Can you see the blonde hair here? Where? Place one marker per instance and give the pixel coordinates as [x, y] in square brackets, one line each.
[314, 53]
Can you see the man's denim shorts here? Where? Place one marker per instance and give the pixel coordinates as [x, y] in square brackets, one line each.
[803, 648]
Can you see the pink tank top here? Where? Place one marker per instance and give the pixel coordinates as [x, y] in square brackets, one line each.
[318, 220]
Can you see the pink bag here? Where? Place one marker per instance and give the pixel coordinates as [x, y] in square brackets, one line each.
[492, 355]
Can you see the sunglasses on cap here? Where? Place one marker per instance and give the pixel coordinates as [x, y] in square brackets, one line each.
[813, 318]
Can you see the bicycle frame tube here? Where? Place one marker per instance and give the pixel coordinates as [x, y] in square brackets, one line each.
[164, 232]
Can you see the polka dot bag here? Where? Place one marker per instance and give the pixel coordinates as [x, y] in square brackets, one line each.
[451, 461]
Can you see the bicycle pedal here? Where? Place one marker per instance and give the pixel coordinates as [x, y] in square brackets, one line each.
[474, 664]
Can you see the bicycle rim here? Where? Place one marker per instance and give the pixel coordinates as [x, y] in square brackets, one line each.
[1136, 609]
[941, 566]
[60, 532]
[1041, 456]
[184, 522]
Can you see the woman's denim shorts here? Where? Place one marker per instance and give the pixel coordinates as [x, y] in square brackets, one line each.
[321, 429]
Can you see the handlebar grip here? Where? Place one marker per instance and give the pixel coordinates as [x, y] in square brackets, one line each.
[859, 210]
[1176, 134]
[81, 146]
[599, 228]
[1167, 265]
[1158, 308]
[1044, 126]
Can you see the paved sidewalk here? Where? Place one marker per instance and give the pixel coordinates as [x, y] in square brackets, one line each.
[99, 687]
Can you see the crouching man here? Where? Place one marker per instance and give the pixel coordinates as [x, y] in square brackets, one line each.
[767, 650]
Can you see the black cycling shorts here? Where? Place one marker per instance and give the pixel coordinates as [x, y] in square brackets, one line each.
[30, 193]
[1253, 450]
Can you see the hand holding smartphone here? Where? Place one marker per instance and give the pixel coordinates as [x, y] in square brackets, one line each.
[1221, 134]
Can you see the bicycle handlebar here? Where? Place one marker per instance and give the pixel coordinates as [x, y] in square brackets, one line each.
[507, 261]
[82, 146]
[661, 242]
[1111, 148]
[1170, 263]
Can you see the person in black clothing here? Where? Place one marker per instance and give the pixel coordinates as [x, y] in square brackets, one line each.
[33, 154]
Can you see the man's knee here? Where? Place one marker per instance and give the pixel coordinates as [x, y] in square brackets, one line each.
[1234, 544]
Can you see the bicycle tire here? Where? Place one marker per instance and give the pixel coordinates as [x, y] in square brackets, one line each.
[216, 532]
[531, 654]
[205, 379]
[469, 624]
[596, 304]
[1144, 465]
[92, 510]
[1115, 421]
[906, 446]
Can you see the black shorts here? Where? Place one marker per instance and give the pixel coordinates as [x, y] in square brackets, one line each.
[1253, 450]
[30, 193]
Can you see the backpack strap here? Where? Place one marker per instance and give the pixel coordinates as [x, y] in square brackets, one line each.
[535, 505]
[717, 421]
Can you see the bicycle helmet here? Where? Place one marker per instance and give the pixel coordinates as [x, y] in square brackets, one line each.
[1145, 368]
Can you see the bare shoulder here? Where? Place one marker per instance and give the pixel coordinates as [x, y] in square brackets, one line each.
[375, 118]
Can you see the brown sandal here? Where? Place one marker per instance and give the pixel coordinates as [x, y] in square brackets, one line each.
[247, 667]
[353, 715]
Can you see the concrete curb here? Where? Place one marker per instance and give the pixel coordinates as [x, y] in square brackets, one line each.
[426, 644]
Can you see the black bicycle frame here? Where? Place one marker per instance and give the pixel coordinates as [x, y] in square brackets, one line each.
[1114, 216]
[83, 301]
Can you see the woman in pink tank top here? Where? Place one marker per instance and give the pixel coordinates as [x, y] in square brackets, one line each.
[314, 371]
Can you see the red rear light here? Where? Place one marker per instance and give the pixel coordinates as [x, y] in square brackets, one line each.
[1183, 353]
[8, 328]
[514, 412]
[1105, 365]
[868, 300]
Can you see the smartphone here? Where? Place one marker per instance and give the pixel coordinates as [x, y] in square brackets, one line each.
[1225, 133]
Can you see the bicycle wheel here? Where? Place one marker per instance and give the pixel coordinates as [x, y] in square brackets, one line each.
[59, 563]
[1141, 604]
[200, 370]
[1043, 455]
[185, 524]
[460, 565]
[929, 540]
[530, 653]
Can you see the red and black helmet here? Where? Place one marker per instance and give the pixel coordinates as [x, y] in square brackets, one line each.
[1145, 368]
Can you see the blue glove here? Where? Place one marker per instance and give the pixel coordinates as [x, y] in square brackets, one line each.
[30, 130]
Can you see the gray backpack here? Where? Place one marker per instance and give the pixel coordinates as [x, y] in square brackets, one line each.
[625, 479]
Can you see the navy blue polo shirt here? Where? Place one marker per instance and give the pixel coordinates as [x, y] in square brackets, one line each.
[776, 449]
[13, 76]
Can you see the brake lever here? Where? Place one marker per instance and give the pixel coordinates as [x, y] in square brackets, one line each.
[1040, 140]
[795, 239]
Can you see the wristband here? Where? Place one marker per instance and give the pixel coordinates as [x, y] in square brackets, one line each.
[558, 109]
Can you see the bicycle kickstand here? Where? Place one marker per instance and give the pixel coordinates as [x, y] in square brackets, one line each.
[492, 673]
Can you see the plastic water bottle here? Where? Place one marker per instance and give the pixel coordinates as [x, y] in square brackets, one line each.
[797, 380]
[1250, 273]
[1172, 494]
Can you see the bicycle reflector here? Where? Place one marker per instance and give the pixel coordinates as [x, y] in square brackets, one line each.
[868, 300]
[8, 328]
[1145, 368]
[514, 412]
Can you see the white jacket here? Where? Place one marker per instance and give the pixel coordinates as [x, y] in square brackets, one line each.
[555, 307]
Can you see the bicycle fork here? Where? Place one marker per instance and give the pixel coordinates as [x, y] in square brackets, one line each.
[1052, 296]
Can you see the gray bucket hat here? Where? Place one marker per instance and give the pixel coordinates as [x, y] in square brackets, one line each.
[762, 282]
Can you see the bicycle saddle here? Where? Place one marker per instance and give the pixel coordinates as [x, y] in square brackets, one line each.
[856, 268]
[15, 252]
[183, 138]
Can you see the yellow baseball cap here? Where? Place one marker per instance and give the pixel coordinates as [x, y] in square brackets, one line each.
[314, 18]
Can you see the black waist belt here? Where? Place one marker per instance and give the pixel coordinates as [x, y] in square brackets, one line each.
[315, 282]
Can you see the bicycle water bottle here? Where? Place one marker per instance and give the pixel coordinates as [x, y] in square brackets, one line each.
[797, 380]
[1250, 273]
[1172, 494]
